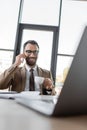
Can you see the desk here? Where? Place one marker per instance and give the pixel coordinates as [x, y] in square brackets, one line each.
[16, 117]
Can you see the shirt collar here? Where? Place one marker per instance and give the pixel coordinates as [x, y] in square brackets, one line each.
[28, 67]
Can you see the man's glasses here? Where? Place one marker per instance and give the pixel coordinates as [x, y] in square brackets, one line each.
[35, 52]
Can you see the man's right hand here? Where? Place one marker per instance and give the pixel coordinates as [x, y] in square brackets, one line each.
[19, 59]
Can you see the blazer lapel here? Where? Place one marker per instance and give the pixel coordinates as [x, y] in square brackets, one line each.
[39, 71]
[23, 76]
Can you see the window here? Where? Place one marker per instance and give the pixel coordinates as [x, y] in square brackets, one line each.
[40, 22]
[8, 26]
[73, 21]
[41, 12]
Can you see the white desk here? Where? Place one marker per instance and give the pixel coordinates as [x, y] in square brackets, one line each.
[16, 117]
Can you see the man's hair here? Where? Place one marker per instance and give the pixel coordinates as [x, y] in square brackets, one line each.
[33, 42]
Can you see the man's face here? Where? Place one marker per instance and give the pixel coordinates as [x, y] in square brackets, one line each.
[31, 52]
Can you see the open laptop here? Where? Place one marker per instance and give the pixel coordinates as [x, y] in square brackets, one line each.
[73, 97]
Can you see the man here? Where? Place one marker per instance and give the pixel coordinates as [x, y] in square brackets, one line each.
[17, 78]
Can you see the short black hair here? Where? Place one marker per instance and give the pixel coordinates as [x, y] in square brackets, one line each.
[33, 42]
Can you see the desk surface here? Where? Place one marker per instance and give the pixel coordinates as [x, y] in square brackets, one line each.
[16, 117]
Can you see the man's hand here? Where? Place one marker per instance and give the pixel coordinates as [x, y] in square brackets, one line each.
[48, 84]
[19, 59]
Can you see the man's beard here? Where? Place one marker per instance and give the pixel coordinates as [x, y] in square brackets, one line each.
[31, 61]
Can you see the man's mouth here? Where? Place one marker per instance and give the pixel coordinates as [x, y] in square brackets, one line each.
[31, 58]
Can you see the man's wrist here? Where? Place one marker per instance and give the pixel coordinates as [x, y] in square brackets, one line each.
[15, 65]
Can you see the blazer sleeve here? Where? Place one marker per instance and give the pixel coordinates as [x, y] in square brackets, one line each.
[7, 76]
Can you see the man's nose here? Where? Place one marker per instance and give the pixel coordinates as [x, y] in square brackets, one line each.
[32, 54]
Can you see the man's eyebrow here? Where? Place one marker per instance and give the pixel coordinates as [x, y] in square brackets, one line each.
[31, 50]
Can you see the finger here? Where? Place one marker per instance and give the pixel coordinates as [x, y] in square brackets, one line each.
[22, 55]
[49, 87]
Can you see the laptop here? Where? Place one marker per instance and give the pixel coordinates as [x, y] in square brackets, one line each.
[73, 97]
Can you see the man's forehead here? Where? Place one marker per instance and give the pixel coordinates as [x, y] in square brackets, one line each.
[31, 46]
